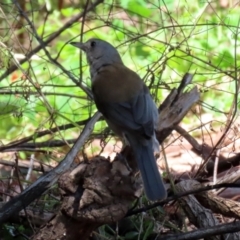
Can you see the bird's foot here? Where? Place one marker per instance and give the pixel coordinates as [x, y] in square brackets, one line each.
[122, 158]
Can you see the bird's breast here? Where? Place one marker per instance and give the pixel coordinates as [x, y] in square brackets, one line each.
[116, 84]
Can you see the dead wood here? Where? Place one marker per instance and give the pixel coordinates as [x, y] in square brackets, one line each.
[200, 210]
[95, 193]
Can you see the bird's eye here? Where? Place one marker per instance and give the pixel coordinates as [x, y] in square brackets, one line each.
[93, 44]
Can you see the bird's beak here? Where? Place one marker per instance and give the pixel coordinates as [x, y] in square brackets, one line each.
[80, 45]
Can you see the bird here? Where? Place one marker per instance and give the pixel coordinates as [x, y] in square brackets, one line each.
[128, 108]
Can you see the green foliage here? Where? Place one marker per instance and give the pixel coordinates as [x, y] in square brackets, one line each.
[130, 228]
[160, 40]
[13, 232]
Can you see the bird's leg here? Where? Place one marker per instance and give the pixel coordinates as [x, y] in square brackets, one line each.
[156, 146]
[125, 152]
[122, 158]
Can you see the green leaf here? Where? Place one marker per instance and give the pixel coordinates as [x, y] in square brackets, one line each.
[11, 105]
[131, 235]
[139, 9]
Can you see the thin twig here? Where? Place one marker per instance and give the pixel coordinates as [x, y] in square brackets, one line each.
[41, 134]
[53, 36]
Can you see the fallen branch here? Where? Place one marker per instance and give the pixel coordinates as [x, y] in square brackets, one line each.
[35, 190]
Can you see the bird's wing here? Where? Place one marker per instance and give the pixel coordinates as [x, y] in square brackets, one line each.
[136, 115]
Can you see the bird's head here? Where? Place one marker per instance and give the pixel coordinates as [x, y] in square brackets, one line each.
[99, 53]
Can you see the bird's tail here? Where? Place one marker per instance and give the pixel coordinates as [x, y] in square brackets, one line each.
[152, 180]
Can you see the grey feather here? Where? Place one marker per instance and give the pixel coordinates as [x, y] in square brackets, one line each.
[152, 181]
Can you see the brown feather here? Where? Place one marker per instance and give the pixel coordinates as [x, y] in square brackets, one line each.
[116, 83]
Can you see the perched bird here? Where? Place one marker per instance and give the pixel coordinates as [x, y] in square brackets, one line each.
[126, 104]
